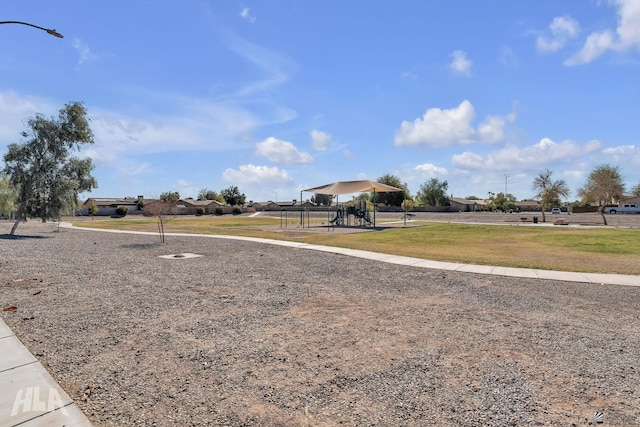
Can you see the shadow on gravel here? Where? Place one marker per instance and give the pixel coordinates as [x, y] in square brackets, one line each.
[141, 245]
[21, 237]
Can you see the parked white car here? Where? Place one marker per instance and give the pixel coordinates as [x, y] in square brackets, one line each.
[556, 211]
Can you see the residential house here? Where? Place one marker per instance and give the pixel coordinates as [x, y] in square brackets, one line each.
[465, 205]
[108, 206]
[191, 206]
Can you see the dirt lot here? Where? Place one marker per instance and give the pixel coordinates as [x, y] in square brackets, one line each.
[255, 334]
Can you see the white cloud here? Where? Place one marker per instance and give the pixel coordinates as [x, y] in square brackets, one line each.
[115, 133]
[562, 29]
[431, 170]
[438, 127]
[186, 188]
[246, 15]
[320, 140]
[492, 129]
[629, 23]
[181, 123]
[96, 157]
[275, 68]
[133, 170]
[626, 37]
[596, 45]
[128, 172]
[348, 154]
[574, 174]
[626, 154]
[282, 152]
[460, 65]
[187, 124]
[508, 57]
[258, 180]
[252, 173]
[621, 151]
[15, 110]
[542, 154]
[469, 160]
[86, 55]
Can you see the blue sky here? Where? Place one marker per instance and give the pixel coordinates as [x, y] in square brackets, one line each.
[282, 95]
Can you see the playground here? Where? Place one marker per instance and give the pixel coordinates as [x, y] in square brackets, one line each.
[356, 213]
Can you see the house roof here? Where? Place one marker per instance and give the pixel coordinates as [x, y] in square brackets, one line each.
[202, 203]
[527, 203]
[463, 201]
[107, 201]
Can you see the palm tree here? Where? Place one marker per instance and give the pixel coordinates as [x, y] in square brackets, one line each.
[549, 192]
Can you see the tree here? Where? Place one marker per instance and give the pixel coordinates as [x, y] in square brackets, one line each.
[500, 202]
[232, 196]
[161, 210]
[170, 197]
[206, 194]
[604, 185]
[43, 171]
[635, 190]
[433, 193]
[322, 199]
[92, 210]
[548, 191]
[393, 198]
[7, 196]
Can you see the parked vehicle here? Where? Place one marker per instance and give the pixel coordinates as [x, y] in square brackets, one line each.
[555, 211]
[626, 208]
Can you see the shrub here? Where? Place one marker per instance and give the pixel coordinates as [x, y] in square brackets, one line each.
[122, 210]
[219, 211]
[237, 211]
[200, 211]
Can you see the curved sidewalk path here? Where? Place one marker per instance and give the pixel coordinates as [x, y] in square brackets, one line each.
[604, 279]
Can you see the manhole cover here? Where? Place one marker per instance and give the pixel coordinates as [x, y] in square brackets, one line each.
[183, 255]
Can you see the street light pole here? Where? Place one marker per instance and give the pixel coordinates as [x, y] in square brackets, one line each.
[506, 177]
[52, 32]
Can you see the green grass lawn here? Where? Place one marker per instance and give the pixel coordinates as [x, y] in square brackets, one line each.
[595, 250]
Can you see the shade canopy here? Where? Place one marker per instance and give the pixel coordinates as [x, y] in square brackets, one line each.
[349, 187]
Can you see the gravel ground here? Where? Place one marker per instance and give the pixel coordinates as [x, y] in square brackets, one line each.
[253, 334]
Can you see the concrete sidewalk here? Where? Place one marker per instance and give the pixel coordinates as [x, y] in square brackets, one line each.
[29, 396]
[604, 279]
